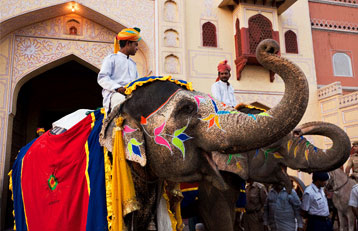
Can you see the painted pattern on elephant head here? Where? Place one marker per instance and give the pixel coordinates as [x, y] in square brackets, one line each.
[176, 139]
[170, 128]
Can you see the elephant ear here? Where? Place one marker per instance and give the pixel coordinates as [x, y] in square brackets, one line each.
[134, 143]
[133, 137]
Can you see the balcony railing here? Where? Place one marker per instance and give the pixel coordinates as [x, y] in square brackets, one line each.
[330, 90]
[348, 100]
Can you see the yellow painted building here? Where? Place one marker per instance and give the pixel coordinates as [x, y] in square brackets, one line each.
[51, 51]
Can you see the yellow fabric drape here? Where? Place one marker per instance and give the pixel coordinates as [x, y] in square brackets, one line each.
[123, 193]
[175, 217]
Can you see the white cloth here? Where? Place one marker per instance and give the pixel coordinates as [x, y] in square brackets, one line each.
[70, 120]
[353, 199]
[117, 71]
[224, 93]
[117, 98]
[314, 201]
[163, 219]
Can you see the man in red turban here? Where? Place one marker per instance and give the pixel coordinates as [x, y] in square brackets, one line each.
[222, 90]
[119, 69]
[40, 131]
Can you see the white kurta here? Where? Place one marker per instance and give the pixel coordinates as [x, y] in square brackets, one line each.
[224, 93]
[353, 199]
[117, 71]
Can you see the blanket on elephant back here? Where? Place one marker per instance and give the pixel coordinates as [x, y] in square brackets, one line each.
[58, 181]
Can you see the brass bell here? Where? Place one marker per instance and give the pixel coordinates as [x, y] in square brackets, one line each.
[151, 225]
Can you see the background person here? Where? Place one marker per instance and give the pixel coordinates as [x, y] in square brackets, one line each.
[40, 131]
[255, 199]
[314, 204]
[222, 90]
[287, 211]
[353, 161]
[269, 207]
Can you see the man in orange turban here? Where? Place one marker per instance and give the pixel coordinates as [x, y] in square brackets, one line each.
[118, 69]
[222, 90]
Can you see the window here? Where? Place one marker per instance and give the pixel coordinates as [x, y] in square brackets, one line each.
[172, 64]
[73, 31]
[260, 28]
[291, 42]
[209, 35]
[342, 65]
[171, 11]
[171, 38]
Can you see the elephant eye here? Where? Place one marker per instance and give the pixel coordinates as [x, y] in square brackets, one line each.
[187, 108]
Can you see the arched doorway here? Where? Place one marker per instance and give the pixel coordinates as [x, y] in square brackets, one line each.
[46, 98]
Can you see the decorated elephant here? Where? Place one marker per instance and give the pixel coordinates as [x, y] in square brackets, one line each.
[266, 165]
[166, 132]
[174, 131]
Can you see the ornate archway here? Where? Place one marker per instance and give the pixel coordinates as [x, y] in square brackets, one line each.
[38, 50]
[46, 98]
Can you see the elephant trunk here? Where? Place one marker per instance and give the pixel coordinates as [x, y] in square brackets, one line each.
[247, 132]
[304, 156]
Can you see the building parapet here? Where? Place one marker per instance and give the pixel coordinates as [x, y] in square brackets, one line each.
[347, 3]
[331, 25]
[348, 100]
[330, 90]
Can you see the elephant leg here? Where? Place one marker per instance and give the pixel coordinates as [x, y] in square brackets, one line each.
[217, 208]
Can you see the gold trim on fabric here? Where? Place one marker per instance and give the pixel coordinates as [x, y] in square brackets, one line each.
[93, 117]
[108, 182]
[86, 171]
[190, 189]
[132, 88]
[130, 206]
[241, 210]
[12, 195]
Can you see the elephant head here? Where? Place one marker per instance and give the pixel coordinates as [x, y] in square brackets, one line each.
[265, 164]
[175, 130]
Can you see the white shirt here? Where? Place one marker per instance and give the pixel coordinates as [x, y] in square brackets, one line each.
[117, 71]
[353, 199]
[224, 93]
[314, 201]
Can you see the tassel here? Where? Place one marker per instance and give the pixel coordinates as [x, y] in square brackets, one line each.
[116, 45]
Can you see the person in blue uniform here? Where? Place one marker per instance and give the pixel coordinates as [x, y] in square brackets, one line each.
[314, 205]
